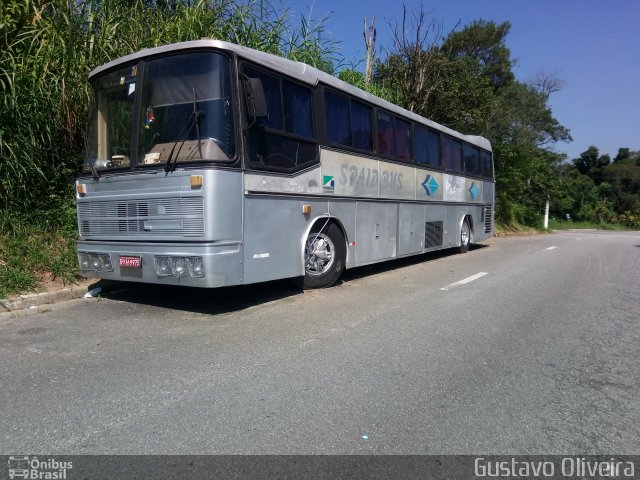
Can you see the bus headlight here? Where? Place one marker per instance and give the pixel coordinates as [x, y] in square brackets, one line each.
[163, 266]
[197, 267]
[179, 266]
[95, 262]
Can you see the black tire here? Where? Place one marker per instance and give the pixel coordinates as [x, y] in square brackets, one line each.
[324, 256]
[465, 236]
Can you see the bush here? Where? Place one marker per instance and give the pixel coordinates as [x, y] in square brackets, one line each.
[37, 247]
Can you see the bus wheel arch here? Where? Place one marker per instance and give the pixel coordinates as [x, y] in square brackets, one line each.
[466, 233]
[324, 253]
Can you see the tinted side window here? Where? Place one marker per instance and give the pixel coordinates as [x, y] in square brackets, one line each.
[486, 163]
[272, 93]
[338, 121]
[433, 140]
[421, 145]
[274, 142]
[361, 126]
[471, 160]
[403, 140]
[271, 151]
[427, 147]
[298, 118]
[385, 134]
[451, 154]
[288, 104]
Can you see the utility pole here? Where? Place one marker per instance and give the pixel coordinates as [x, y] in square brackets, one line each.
[546, 214]
[370, 43]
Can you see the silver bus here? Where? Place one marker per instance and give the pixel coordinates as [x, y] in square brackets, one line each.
[209, 164]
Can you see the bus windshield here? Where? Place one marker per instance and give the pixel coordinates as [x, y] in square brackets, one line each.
[185, 111]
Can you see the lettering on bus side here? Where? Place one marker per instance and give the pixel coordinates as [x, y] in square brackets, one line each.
[353, 176]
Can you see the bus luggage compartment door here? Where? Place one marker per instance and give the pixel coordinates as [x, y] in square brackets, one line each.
[376, 231]
[411, 229]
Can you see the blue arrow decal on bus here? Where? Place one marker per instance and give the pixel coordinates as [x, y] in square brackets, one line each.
[430, 185]
[473, 190]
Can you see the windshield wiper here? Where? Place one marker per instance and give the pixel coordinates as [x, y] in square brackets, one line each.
[94, 170]
[193, 119]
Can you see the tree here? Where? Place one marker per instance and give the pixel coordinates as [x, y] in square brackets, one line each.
[484, 41]
[357, 79]
[623, 156]
[591, 163]
[546, 83]
[413, 67]
[370, 45]
[624, 175]
[522, 115]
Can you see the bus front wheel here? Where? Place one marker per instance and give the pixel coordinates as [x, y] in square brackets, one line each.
[465, 236]
[324, 256]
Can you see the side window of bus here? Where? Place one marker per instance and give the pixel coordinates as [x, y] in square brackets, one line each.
[284, 140]
[385, 134]
[273, 96]
[471, 160]
[451, 154]
[403, 140]
[298, 117]
[338, 118]
[487, 164]
[361, 126]
[427, 147]
[348, 122]
[394, 137]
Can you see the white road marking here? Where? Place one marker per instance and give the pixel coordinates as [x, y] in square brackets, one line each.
[551, 248]
[579, 238]
[465, 281]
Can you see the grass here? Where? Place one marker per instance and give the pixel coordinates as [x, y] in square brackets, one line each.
[35, 250]
[503, 230]
[555, 224]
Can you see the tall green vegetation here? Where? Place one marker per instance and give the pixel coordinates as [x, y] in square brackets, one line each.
[47, 49]
[594, 188]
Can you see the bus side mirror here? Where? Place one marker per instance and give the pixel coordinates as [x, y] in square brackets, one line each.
[255, 98]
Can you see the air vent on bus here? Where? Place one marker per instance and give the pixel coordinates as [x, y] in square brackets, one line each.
[488, 218]
[169, 217]
[432, 234]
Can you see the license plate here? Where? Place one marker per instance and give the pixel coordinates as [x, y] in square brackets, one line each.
[131, 262]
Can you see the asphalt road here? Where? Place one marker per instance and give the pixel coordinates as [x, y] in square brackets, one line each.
[536, 351]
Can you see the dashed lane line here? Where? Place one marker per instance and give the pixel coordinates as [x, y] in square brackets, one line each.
[465, 280]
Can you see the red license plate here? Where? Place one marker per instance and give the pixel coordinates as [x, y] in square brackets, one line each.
[131, 262]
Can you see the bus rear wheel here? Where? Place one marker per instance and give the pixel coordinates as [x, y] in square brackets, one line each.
[465, 236]
[324, 257]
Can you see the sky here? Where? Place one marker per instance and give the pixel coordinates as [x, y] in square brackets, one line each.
[592, 46]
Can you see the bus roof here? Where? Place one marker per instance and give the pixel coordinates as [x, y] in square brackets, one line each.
[301, 71]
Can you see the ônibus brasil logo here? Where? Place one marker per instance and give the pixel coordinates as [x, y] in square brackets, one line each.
[33, 468]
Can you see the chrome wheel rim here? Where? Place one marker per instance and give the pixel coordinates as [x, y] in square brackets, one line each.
[319, 254]
[465, 233]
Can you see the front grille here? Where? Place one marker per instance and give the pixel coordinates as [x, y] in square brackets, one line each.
[488, 218]
[432, 234]
[172, 217]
